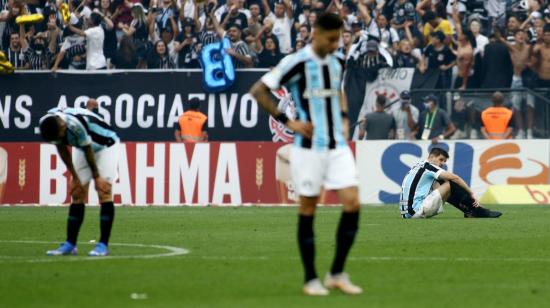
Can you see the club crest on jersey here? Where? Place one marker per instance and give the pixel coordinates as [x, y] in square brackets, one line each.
[285, 104]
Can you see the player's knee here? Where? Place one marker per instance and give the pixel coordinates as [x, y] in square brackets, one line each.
[105, 196]
[352, 205]
[78, 196]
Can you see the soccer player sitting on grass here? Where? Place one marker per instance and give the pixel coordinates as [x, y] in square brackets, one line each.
[320, 155]
[426, 187]
[95, 156]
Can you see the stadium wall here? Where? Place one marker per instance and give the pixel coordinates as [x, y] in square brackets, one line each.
[241, 173]
[140, 105]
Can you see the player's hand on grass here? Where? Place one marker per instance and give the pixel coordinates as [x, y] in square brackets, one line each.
[303, 128]
[101, 185]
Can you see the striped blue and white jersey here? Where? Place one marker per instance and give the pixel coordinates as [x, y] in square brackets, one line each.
[417, 185]
[315, 86]
[85, 128]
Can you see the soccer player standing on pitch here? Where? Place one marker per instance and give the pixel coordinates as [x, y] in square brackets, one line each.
[95, 156]
[320, 155]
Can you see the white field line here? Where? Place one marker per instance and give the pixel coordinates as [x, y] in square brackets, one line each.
[171, 251]
[381, 259]
[177, 251]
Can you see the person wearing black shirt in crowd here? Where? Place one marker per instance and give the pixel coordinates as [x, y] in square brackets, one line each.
[186, 46]
[234, 17]
[270, 54]
[496, 65]
[439, 56]
[159, 57]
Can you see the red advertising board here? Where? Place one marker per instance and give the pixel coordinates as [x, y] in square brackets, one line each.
[152, 173]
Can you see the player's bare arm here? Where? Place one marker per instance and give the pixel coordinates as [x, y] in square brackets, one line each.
[345, 115]
[262, 94]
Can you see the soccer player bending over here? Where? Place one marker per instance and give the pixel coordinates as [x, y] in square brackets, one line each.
[426, 187]
[95, 157]
[320, 155]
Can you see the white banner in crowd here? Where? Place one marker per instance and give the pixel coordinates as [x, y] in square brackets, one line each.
[382, 165]
[390, 83]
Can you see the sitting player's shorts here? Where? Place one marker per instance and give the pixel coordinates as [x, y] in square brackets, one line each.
[431, 206]
[313, 169]
[106, 161]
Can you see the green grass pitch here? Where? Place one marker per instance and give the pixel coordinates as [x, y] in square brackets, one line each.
[248, 257]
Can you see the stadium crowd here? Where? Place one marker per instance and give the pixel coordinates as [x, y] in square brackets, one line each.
[164, 34]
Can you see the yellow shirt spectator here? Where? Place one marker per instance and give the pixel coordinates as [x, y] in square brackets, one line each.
[434, 23]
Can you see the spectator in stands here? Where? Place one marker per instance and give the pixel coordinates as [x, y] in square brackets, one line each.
[347, 42]
[436, 24]
[378, 125]
[304, 34]
[208, 35]
[541, 60]
[496, 65]
[73, 50]
[138, 31]
[14, 9]
[192, 125]
[39, 55]
[434, 124]
[439, 56]
[512, 25]
[520, 54]
[187, 47]
[110, 42]
[389, 39]
[165, 16]
[366, 56]
[127, 56]
[466, 45]
[408, 57]
[234, 17]
[239, 51]
[255, 20]
[481, 40]
[95, 36]
[282, 20]
[403, 11]
[14, 52]
[122, 14]
[270, 54]
[497, 120]
[160, 57]
[406, 117]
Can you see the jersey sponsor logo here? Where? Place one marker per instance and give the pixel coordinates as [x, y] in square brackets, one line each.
[320, 93]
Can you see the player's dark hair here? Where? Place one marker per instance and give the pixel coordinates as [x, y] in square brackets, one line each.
[546, 28]
[329, 21]
[439, 151]
[49, 128]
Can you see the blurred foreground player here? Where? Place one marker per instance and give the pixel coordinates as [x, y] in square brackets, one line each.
[320, 155]
[95, 157]
[426, 187]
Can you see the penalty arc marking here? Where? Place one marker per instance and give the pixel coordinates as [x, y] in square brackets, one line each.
[170, 251]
